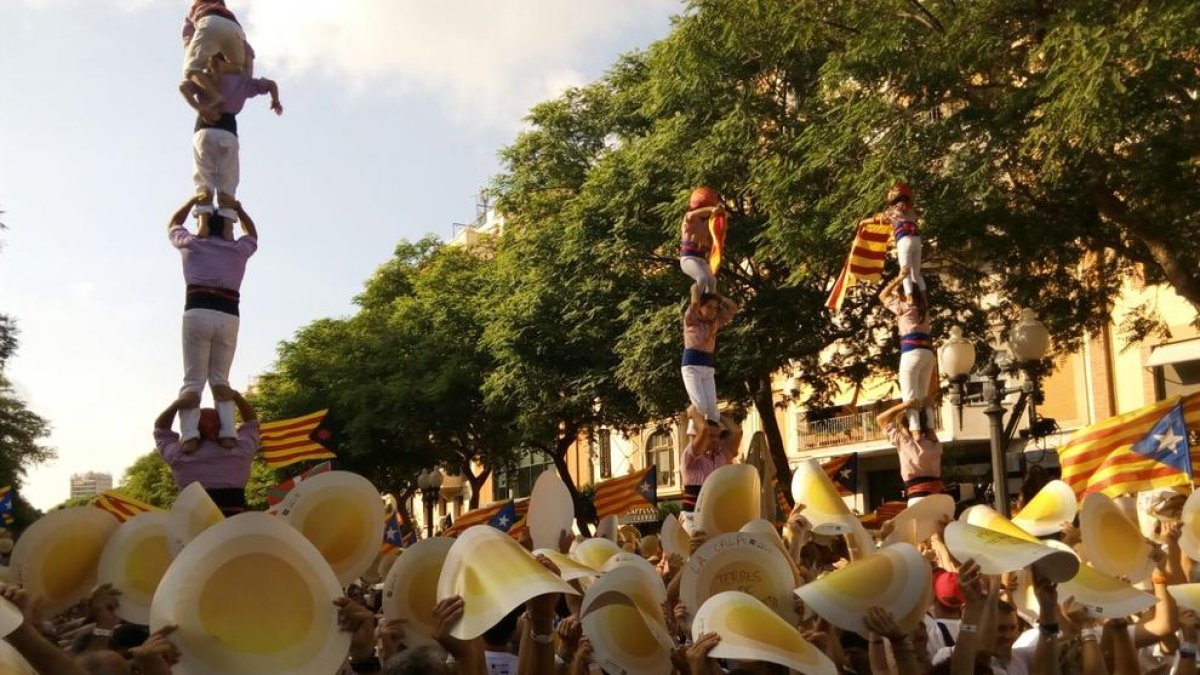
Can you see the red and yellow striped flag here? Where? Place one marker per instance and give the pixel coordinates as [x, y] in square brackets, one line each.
[716, 227]
[521, 506]
[286, 442]
[484, 516]
[1102, 457]
[617, 496]
[122, 506]
[864, 264]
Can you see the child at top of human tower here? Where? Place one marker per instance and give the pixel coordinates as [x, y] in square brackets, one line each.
[901, 217]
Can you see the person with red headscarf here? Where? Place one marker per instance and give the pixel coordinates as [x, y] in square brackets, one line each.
[696, 241]
[222, 471]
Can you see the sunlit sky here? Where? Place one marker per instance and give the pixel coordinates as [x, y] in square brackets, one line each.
[394, 113]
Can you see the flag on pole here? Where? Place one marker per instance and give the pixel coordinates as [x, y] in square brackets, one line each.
[121, 506]
[716, 227]
[843, 471]
[1140, 450]
[617, 496]
[285, 442]
[485, 516]
[279, 492]
[398, 532]
[865, 262]
[6, 504]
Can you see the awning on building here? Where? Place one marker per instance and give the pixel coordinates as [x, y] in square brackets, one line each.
[1175, 352]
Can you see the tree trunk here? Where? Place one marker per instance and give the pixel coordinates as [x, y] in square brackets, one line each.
[764, 404]
[1168, 256]
[559, 456]
[476, 483]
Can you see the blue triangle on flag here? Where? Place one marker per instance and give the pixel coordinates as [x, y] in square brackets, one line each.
[648, 486]
[505, 518]
[1167, 441]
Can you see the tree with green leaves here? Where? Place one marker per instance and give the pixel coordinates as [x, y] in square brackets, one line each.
[149, 480]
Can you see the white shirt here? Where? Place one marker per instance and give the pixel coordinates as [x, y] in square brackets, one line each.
[501, 663]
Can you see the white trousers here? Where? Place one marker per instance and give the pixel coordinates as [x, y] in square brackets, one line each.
[215, 35]
[209, 341]
[215, 165]
[916, 371]
[701, 385]
[908, 251]
[699, 271]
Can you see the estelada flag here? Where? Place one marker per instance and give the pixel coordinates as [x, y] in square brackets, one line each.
[286, 442]
[843, 471]
[716, 227]
[279, 492]
[6, 504]
[397, 533]
[500, 514]
[865, 262]
[617, 496]
[1140, 450]
[121, 506]
[521, 509]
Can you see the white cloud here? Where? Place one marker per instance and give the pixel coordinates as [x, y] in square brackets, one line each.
[485, 61]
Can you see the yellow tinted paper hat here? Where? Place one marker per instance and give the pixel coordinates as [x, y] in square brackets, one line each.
[569, 568]
[1052, 506]
[1114, 544]
[983, 516]
[251, 595]
[1189, 539]
[897, 578]
[551, 510]
[56, 558]
[997, 552]
[730, 498]
[10, 618]
[595, 552]
[750, 631]
[1103, 596]
[825, 508]
[341, 513]
[1187, 596]
[739, 561]
[410, 589]
[622, 617]
[921, 521]
[493, 575]
[134, 561]
[674, 540]
[607, 528]
[12, 663]
[192, 513]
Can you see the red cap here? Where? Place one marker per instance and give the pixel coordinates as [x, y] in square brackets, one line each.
[946, 589]
[703, 196]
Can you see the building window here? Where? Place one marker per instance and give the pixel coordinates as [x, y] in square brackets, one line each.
[604, 452]
[517, 482]
[660, 451]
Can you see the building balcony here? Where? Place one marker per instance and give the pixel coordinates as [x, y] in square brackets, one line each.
[844, 430]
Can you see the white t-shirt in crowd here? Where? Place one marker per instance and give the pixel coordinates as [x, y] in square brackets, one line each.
[501, 663]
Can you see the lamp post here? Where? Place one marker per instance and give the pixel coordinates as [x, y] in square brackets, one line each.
[1028, 341]
[430, 484]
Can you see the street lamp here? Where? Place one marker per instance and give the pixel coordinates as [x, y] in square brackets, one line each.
[1028, 341]
[429, 482]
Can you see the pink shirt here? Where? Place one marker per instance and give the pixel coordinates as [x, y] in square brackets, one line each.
[908, 316]
[921, 457]
[213, 261]
[210, 465]
[695, 467]
[700, 334]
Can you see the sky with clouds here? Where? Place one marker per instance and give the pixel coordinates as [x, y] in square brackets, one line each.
[394, 113]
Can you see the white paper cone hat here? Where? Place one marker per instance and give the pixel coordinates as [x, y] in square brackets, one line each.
[674, 540]
[569, 568]
[983, 516]
[763, 529]
[56, 558]
[410, 589]
[1114, 544]
[551, 510]
[1103, 596]
[192, 513]
[1189, 539]
[921, 521]
[341, 513]
[10, 618]
[1187, 596]
[12, 663]
[825, 509]
[997, 552]
[750, 631]
[626, 559]
[607, 529]
[622, 617]
[493, 575]
[897, 578]
[1052, 506]
[251, 595]
[730, 498]
[134, 561]
[595, 552]
[739, 561]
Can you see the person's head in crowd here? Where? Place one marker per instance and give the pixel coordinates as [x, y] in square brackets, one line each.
[855, 652]
[427, 660]
[499, 638]
[103, 662]
[948, 598]
[1007, 629]
[210, 424]
[650, 547]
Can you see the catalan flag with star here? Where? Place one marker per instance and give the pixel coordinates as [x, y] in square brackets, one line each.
[501, 515]
[865, 262]
[843, 471]
[6, 504]
[122, 507]
[285, 442]
[617, 496]
[398, 533]
[1140, 450]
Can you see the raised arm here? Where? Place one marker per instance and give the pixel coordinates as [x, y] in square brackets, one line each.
[46, 658]
[180, 216]
[244, 408]
[273, 90]
[733, 442]
[890, 290]
[889, 416]
[247, 223]
[167, 417]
